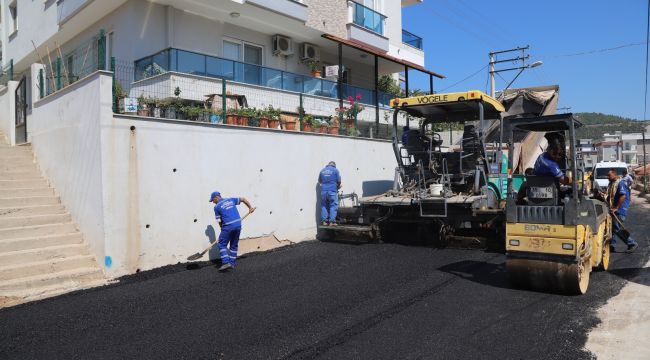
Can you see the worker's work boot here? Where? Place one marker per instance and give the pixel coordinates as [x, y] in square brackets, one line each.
[225, 267]
[333, 223]
[632, 247]
[324, 223]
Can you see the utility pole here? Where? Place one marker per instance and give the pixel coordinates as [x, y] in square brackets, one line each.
[523, 66]
[645, 179]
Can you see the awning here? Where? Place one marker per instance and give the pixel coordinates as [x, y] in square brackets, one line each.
[380, 53]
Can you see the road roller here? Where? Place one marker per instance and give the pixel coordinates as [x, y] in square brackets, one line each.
[555, 235]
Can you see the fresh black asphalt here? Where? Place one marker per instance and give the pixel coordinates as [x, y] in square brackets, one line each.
[321, 300]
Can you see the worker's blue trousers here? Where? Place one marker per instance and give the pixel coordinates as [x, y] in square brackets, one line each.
[616, 228]
[229, 235]
[329, 201]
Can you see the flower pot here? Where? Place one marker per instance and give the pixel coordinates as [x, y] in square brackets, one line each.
[290, 125]
[204, 117]
[316, 73]
[214, 118]
[157, 112]
[334, 130]
[242, 120]
[231, 119]
[349, 123]
[264, 122]
[143, 112]
[274, 123]
[323, 129]
[306, 127]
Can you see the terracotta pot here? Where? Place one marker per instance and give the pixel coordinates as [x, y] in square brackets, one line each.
[143, 112]
[334, 130]
[264, 122]
[306, 127]
[349, 123]
[242, 120]
[231, 119]
[323, 129]
[316, 73]
[274, 123]
[290, 125]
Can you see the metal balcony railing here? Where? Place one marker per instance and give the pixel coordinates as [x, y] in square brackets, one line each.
[411, 39]
[188, 62]
[367, 18]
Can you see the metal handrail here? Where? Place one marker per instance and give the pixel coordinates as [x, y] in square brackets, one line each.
[411, 39]
[378, 27]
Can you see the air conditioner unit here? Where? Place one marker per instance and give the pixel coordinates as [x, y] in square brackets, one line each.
[309, 52]
[282, 45]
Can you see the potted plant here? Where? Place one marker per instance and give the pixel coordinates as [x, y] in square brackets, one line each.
[308, 123]
[322, 127]
[335, 123]
[264, 118]
[243, 116]
[352, 131]
[215, 116]
[231, 116]
[120, 94]
[274, 117]
[353, 111]
[143, 110]
[315, 68]
[192, 112]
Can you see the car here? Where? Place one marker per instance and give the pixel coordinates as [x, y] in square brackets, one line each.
[600, 170]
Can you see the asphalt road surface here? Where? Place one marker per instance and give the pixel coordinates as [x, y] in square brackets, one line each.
[325, 301]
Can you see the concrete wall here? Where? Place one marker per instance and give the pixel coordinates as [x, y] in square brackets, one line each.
[8, 111]
[65, 136]
[328, 16]
[138, 187]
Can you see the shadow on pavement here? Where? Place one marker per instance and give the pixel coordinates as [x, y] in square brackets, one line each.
[480, 272]
[639, 276]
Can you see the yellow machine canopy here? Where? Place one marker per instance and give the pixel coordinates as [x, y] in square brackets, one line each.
[451, 107]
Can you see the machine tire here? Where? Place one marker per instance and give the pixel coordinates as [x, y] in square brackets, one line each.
[606, 256]
[548, 275]
[579, 278]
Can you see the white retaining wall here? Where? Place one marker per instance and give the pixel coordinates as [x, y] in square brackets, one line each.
[8, 111]
[141, 196]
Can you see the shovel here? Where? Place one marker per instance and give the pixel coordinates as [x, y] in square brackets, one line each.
[199, 255]
[622, 232]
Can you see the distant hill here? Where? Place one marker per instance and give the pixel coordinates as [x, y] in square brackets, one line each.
[597, 124]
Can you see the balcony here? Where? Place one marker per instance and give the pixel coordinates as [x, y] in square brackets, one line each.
[367, 26]
[182, 61]
[411, 39]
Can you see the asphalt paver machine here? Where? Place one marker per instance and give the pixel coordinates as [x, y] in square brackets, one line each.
[443, 195]
[555, 234]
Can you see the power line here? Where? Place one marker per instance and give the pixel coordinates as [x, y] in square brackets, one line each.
[477, 36]
[467, 78]
[464, 15]
[596, 51]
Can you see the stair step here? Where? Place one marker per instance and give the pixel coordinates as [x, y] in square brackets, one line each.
[21, 175]
[42, 254]
[19, 271]
[66, 279]
[18, 166]
[18, 211]
[37, 242]
[23, 184]
[15, 150]
[28, 201]
[13, 193]
[22, 221]
[37, 230]
[44, 292]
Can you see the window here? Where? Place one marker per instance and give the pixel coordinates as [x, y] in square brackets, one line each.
[249, 70]
[13, 9]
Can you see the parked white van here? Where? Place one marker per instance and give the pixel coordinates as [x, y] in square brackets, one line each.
[600, 173]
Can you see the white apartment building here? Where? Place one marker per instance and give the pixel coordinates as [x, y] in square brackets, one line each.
[263, 46]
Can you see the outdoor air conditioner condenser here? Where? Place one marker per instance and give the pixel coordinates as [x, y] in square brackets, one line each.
[309, 52]
[282, 45]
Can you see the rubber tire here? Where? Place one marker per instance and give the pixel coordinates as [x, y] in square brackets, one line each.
[579, 277]
[606, 256]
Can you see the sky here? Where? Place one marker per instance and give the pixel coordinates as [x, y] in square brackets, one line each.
[570, 37]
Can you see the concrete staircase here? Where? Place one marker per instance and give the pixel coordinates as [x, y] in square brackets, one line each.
[42, 253]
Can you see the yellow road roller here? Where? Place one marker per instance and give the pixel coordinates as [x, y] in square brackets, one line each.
[555, 235]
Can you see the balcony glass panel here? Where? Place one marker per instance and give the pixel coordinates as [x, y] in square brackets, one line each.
[368, 18]
[411, 39]
[191, 63]
[204, 65]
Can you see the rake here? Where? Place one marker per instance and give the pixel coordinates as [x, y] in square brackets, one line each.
[199, 255]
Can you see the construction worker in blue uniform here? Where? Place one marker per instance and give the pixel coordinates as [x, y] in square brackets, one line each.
[330, 181]
[618, 199]
[225, 211]
[547, 164]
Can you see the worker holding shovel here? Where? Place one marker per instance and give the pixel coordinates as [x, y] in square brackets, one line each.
[618, 199]
[225, 211]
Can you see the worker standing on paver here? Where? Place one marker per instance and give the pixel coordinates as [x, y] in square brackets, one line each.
[330, 181]
[618, 199]
[225, 211]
